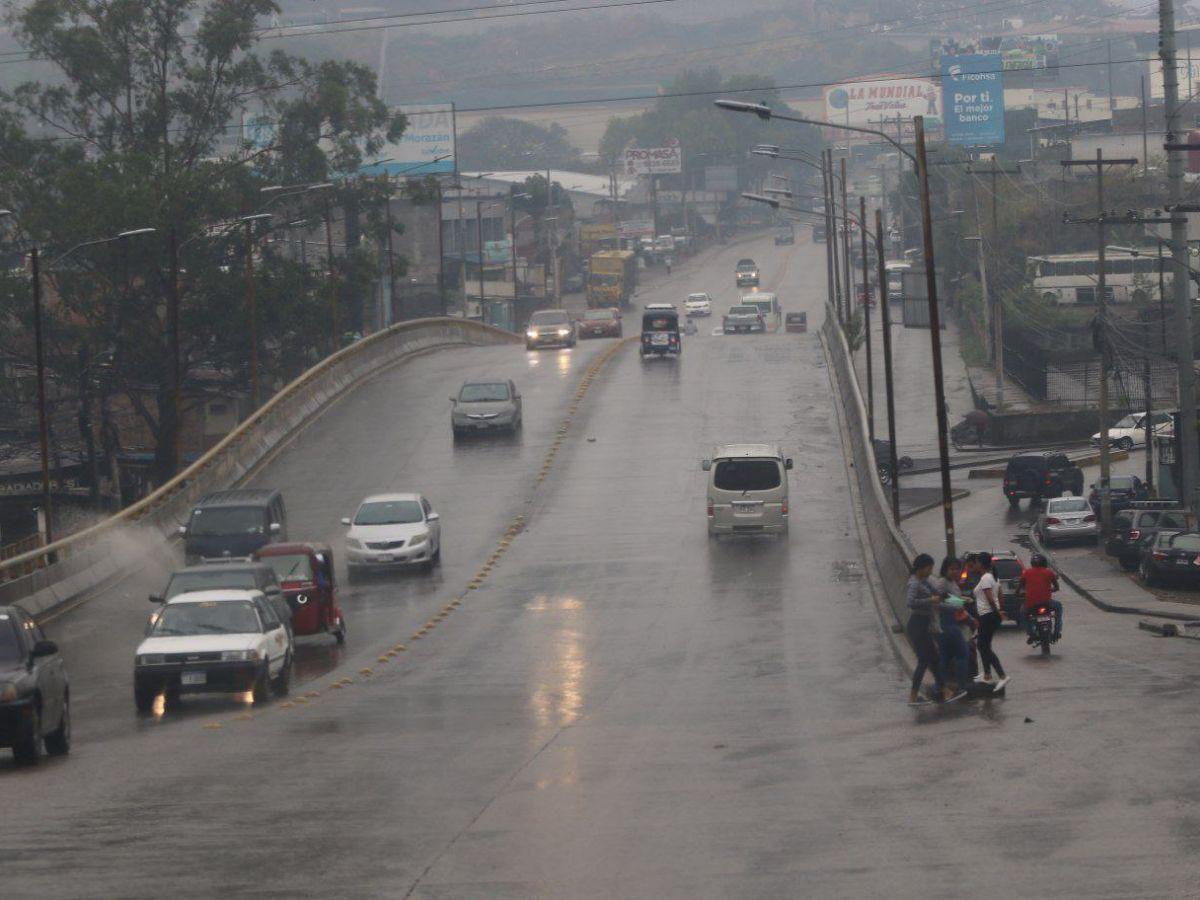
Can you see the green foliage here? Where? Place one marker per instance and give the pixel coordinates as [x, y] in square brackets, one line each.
[500, 142]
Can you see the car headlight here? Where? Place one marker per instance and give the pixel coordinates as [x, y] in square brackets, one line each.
[240, 656]
[563, 332]
[531, 333]
[354, 543]
[8, 692]
[150, 659]
[419, 539]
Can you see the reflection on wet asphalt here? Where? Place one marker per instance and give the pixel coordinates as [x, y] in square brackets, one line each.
[623, 707]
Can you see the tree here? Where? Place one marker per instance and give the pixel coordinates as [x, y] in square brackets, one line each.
[143, 130]
[499, 142]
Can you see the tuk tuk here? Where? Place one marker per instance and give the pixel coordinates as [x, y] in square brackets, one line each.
[305, 572]
[660, 331]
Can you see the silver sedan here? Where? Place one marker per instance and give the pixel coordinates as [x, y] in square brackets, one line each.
[1066, 518]
[481, 406]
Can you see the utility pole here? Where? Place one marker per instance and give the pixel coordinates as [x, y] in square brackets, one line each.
[43, 429]
[252, 314]
[862, 227]
[1145, 133]
[834, 300]
[899, 251]
[935, 335]
[889, 388]
[479, 241]
[832, 237]
[850, 298]
[441, 254]
[1111, 96]
[1101, 330]
[391, 260]
[333, 294]
[1189, 455]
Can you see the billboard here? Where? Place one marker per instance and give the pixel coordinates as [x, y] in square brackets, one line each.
[973, 99]
[653, 160]
[1038, 53]
[865, 103]
[1189, 76]
[425, 148]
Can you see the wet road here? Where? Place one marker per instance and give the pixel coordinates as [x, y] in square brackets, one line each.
[622, 708]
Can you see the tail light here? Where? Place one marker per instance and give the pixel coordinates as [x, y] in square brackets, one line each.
[761, 320]
[1053, 521]
[1042, 610]
[711, 511]
[1089, 518]
[1157, 554]
[1047, 481]
[785, 507]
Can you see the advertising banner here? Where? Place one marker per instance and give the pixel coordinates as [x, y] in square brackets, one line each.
[636, 228]
[1038, 53]
[653, 160]
[866, 103]
[973, 99]
[425, 148]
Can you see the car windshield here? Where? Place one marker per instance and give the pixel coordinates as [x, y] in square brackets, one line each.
[291, 567]
[1129, 422]
[598, 315]
[1006, 568]
[389, 512]
[483, 393]
[1190, 542]
[549, 318]
[747, 475]
[745, 310]
[10, 647]
[207, 617]
[219, 578]
[218, 520]
[745, 264]
[1067, 506]
[659, 322]
[758, 302]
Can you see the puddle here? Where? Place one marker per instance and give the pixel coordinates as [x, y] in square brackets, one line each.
[847, 570]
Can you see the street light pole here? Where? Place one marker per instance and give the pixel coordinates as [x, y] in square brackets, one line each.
[43, 429]
[893, 462]
[850, 296]
[252, 306]
[862, 222]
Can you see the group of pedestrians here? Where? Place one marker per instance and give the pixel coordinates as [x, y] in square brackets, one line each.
[951, 632]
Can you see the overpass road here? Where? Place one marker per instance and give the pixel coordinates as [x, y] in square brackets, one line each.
[622, 708]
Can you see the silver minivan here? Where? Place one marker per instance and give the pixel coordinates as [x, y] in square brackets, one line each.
[747, 489]
[768, 306]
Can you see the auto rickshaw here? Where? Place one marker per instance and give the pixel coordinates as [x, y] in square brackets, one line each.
[305, 572]
[660, 331]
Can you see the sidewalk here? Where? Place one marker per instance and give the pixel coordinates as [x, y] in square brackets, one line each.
[1101, 581]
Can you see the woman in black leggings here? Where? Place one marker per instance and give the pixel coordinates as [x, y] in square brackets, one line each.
[987, 601]
[922, 601]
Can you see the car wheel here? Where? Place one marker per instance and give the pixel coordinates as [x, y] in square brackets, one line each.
[1125, 443]
[143, 698]
[1014, 502]
[262, 685]
[437, 554]
[283, 681]
[27, 748]
[58, 742]
[340, 634]
[1146, 574]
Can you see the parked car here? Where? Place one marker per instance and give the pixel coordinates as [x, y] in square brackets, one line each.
[239, 574]
[35, 695]
[486, 405]
[1038, 476]
[795, 322]
[743, 318]
[602, 322]
[1122, 491]
[697, 305]
[233, 523]
[393, 531]
[550, 328]
[785, 235]
[1065, 519]
[1007, 568]
[213, 642]
[1137, 526]
[746, 273]
[1171, 556]
[1130, 431]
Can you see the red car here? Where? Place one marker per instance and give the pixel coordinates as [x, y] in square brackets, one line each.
[603, 322]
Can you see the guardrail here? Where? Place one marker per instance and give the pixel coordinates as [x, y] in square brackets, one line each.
[69, 568]
[892, 550]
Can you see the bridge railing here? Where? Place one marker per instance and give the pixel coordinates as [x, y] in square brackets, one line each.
[60, 572]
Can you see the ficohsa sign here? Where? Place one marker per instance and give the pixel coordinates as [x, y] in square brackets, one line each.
[653, 160]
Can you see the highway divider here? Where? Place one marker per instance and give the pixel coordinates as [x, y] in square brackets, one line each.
[70, 568]
[884, 544]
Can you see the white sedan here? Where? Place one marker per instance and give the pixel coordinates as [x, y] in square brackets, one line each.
[393, 531]
[697, 305]
[1130, 431]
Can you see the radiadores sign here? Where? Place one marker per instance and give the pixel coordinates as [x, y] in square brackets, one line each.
[653, 160]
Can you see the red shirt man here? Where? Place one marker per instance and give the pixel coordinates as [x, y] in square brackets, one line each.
[1040, 582]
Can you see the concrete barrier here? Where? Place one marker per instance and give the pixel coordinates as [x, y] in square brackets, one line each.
[889, 546]
[1089, 459]
[91, 558]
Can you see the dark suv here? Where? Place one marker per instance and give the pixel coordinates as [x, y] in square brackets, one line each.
[1135, 528]
[233, 523]
[1036, 476]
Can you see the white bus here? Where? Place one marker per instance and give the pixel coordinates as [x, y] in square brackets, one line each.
[1073, 277]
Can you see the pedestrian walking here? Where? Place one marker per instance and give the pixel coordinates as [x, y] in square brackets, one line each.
[952, 647]
[990, 608]
[922, 601]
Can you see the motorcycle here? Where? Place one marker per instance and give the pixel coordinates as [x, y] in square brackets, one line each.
[1043, 626]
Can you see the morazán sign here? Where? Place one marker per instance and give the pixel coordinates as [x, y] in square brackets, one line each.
[653, 160]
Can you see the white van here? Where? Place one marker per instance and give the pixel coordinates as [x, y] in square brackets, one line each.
[768, 305]
[747, 489]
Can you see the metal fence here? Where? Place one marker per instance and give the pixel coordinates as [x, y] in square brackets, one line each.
[68, 568]
[892, 550]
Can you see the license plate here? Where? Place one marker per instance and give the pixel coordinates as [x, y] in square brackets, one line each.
[1182, 562]
[191, 679]
[384, 558]
[481, 425]
[659, 339]
[744, 509]
[1042, 620]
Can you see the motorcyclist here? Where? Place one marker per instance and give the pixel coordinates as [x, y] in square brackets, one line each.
[1040, 581]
